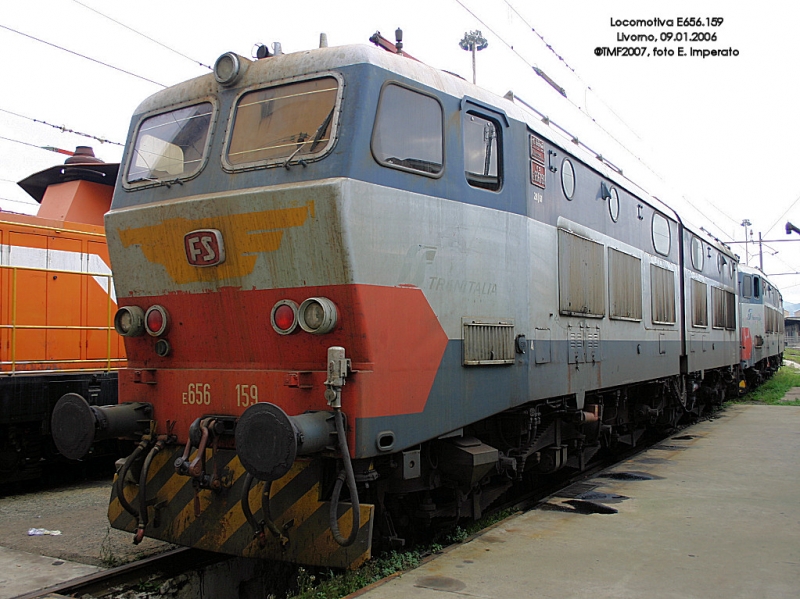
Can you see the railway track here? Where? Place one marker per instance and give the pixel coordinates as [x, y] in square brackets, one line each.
[530, 499]
[155, 568]
[154, 571]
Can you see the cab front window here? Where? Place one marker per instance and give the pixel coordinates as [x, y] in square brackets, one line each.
[171, 145]
[283, 124]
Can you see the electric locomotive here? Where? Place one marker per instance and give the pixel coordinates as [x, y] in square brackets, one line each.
[762, 330]
[359, 295]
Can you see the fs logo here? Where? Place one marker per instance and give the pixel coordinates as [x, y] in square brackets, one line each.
[204, 247]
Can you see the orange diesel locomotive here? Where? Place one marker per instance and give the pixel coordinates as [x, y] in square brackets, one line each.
[56, 308]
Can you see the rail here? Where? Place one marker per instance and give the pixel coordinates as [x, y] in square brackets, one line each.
[165, 565]
[111, 360]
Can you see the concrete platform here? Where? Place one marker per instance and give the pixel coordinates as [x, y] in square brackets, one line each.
[713, 512]
[22, 572]
[86, 544]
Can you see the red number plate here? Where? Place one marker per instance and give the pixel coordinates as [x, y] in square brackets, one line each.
[537, 149]
[537, 175]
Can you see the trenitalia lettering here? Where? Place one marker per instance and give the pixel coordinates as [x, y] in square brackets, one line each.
[462, 286]
[642, 22]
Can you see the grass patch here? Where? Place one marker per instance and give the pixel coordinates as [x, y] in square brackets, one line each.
[792, 354]
[773, 390]
[334, 584]
[459, 534]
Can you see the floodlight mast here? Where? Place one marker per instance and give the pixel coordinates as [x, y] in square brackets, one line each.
[746, 223]
[473, 42]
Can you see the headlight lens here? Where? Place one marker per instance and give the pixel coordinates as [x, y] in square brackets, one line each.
[129, 321]
[317, 315]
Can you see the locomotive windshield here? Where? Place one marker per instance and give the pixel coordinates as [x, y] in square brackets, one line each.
[284, 123]
[170, 145]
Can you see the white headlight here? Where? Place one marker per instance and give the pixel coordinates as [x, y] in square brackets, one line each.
[227, 69]
[129, 321]
[317, 315]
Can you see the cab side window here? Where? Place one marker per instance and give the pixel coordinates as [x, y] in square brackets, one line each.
[482, 160]
[747, 286]
[408, 133]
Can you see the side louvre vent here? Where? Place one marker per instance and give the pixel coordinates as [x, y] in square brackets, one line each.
[488, 342]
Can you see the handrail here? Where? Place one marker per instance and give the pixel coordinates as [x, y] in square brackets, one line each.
[13, 224]
[110, 362]
[87, 273]
[14, 320]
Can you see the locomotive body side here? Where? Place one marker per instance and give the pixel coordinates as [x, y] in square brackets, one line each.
[711, 315]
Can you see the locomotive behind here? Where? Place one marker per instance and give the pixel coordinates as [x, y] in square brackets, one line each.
[762, 326]
[361, 295]
[56, 308]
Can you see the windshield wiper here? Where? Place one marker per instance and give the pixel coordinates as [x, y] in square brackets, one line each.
[321, 129]
[303, 141]
[314, 141]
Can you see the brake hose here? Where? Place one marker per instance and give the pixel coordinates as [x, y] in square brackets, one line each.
[345, 474]
[258, 527]
[123, 472]
[143, 515]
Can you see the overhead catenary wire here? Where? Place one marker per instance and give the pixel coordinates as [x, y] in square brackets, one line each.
[552, 49]
[31, 203]
[583, 112]
[100, 62]
[785, 263]
[44, 148]
[622, 145]
[63, 128]
[722, 212]
[781, 217]
[24, 143]
[537, 70]
[139, 33]
[693, 204]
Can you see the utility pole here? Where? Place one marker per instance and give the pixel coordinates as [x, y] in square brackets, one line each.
[473, 42]
[790, 228]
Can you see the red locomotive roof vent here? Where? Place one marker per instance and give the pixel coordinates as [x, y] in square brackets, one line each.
[83, 155]
[77, 191]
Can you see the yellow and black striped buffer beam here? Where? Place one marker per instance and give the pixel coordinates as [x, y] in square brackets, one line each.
[295, 506]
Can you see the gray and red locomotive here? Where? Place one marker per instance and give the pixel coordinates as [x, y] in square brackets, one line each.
[346, 275]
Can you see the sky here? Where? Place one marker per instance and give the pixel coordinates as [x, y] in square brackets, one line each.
[695, 132]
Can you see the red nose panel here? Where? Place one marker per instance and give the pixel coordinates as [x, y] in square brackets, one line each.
[391, 334]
